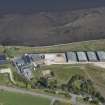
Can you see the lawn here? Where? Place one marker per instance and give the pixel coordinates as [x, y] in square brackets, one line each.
[98, 76]
[61, 103]
[62, 72]
[9, 98]
[4, 78]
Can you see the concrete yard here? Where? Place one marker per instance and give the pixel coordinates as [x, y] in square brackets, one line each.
[55, 58]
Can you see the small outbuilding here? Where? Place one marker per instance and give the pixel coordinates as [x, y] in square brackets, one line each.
[82, 57]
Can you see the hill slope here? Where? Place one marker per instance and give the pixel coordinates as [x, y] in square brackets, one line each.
[46, 28]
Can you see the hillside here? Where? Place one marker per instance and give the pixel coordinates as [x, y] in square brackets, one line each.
[46, 28]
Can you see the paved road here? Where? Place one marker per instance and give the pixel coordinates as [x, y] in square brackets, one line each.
[23, 91]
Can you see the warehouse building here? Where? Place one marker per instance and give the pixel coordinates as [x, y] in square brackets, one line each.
[101, 56]
[92, 56]
[82, 57]
[71, 57]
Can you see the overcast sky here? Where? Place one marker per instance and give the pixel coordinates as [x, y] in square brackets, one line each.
[48, 4]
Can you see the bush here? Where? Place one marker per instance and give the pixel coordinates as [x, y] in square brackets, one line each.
[101, 98]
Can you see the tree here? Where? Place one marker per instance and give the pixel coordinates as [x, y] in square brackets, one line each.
[53, 84]
[43, 82]
[64, 87]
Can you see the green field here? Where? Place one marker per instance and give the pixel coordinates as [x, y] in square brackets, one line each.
[77, 46]
[4, 78]
[9, 98]
[64, 72]
[98, 76]
[61, 103]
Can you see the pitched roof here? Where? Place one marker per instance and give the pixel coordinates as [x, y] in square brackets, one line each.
[91, 56]
[81, 56]
[101, 55]
[71, 56]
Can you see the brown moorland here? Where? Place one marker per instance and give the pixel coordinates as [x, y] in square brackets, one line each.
[48, 28]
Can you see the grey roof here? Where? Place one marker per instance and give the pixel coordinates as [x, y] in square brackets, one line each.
[36, 57]
[27, 73]
[81, 56]
[101, 55]
[26, 58]
[19, 61]
[71, 56]
[92, 56]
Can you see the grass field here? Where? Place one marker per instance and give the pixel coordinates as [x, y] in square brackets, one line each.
[98, 76]
[4, 78]
[64, 72]
[61, 103]
[77, 46]
[9, 98]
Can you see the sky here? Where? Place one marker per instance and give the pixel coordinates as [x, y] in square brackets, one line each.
[48, 4]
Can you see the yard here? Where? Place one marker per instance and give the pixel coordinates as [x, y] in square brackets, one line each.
[63, 73]
[9, 98]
